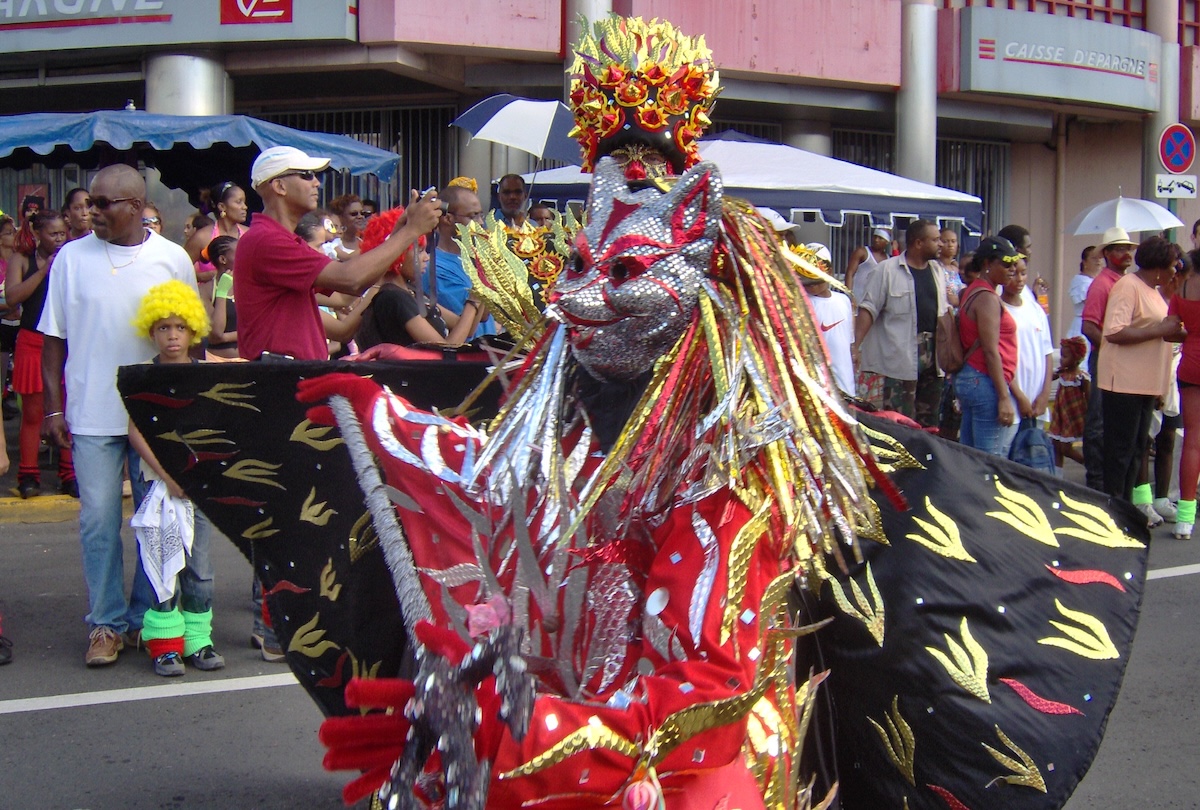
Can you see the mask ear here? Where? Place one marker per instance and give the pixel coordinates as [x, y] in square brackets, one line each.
[694, 204]
[607, 181]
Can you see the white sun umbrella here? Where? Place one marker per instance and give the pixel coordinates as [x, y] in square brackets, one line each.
[537, 127]
[1130, 213]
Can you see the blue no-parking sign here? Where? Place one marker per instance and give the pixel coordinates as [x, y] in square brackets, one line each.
[1177, 148]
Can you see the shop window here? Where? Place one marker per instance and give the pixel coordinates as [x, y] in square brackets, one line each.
[1189, 23]
[1129, 13]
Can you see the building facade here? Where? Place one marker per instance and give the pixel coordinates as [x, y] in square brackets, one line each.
[1040, 107]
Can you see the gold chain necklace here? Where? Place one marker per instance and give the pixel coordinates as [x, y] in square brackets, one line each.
[138, 252]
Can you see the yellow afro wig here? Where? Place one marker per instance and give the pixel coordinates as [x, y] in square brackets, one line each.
[172, 298]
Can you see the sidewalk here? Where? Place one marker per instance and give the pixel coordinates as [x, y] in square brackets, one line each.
[50, 507]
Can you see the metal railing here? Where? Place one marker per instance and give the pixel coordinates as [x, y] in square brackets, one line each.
[428, 148]
[972, 166]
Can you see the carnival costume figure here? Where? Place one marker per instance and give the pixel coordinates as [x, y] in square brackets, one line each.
[601, 584]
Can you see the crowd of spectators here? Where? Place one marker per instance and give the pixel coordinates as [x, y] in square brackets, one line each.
[293, 281]
[297, 281]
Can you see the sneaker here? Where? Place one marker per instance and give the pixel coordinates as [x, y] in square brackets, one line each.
[1165, 509]
[206, 659]
[69, 488]
[1182, 531]
[1152, 518]
[5, 651]
[103, 645]
[169, 665]
[132, 639]
[28, 488]
[272, 653]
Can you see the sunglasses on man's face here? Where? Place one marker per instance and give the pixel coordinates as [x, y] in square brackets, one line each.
[104, 203]
[307, 177]
[150, 220]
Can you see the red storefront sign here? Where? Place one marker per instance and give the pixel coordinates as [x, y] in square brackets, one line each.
[242, 12]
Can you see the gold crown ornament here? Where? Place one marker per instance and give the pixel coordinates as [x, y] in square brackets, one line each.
[513, 268]
[641, 92]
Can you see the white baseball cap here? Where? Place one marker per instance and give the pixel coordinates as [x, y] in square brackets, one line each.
[279, 159]
[777, 221]
[821, 251]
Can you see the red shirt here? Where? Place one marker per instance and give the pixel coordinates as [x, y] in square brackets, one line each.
[273, 278]
[1097, 296]
[968, 332]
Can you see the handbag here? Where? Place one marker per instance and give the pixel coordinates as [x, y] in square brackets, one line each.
[947, 342]
[1032, 447]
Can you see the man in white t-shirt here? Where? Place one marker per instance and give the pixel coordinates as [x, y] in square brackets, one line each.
[96, 284]
[834, 313]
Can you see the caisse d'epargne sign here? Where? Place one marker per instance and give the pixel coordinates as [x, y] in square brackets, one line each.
[1018, 53]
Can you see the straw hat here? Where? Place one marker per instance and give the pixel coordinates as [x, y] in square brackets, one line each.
[1116, 236]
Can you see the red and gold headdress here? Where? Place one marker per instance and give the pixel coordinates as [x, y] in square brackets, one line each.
[643, 86]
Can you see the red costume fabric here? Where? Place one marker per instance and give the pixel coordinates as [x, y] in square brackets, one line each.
[586, 744]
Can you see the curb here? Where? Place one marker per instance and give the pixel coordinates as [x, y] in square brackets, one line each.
[42, 509]
[47, 509]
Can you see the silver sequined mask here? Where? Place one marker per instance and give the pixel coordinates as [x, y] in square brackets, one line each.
[641, 261]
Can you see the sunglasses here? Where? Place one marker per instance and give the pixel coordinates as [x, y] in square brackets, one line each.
[150, 220]
[307, 177]
[104, 203]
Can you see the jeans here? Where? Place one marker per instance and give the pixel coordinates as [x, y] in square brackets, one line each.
[194, 585]
[977, 399]
[98, 468]
[1007, 434]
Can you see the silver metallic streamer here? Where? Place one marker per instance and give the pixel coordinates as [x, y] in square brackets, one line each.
[708, 575]
[391, 538]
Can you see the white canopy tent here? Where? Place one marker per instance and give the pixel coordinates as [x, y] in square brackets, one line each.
[793, 182]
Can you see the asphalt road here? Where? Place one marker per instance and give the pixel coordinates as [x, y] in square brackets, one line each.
[121, 738]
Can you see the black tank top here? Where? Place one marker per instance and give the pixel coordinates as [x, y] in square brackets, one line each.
[31, 309]
[230, 323]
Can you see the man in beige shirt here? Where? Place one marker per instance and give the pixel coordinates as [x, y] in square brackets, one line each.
[896, 325]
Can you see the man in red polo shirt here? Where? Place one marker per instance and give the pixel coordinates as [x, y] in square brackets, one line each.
[276, 273]
[1117, 249]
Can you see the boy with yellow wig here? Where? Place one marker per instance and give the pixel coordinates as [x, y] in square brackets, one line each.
[173, 538]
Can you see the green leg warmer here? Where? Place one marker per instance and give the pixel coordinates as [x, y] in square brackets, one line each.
[163, 624]
[1187, 512]
[197, 633]
[1142, 494]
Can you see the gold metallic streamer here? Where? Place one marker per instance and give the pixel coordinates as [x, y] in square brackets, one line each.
[588, 738]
